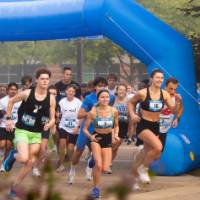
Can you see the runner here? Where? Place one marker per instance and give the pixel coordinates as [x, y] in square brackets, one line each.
[35, 115]
[89, 101]
[69, 124]
[6, 137]
[167, 118]
[121, 105]
[105, 120]
[152, 102]
[45, 139]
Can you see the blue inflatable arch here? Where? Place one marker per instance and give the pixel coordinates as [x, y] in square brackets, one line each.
[134, 29]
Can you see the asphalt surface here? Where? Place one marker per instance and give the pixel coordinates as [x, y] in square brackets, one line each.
[185, 187]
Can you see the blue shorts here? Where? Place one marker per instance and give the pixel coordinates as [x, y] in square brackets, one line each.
[83, 140]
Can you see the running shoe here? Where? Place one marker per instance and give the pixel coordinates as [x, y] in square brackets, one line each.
[61, 168]
[95, 192]
[91, 162]
[12, 194]
[9, 161]
[71, 176]
[143, 174]
[109, 170]
[36, 172]
[2, 168]
[88, 171]
[129, 141]
[136, 186]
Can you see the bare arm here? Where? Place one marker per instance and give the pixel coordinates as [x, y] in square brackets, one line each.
[82, 113]
[179, 106]
[170, 104]
[89, 119]
[116, 122]
[19, 97]
[115, 131]
[131, 106]
[52, 114]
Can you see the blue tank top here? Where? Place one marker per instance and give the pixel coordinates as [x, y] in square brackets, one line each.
[122, 109]
[103, 122]
[152, 105]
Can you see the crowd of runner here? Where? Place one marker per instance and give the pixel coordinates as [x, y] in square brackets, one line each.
[100, 115]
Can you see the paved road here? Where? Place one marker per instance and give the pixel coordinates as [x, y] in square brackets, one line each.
[185, 187]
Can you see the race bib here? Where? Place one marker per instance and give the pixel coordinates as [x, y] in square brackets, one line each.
[103, 123]
[28, 120]
[155, 105]
[123, 118]
[70, 123]
[14, 115]
[165, 123]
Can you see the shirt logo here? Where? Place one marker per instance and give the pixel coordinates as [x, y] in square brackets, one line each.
[37, 108]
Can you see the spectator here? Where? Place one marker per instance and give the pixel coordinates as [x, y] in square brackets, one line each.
[63, 84]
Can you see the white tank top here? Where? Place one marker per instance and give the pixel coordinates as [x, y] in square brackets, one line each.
[166, 118]
[69, 111]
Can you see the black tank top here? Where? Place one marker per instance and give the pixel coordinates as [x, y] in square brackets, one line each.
[33, 114]
[152, 105]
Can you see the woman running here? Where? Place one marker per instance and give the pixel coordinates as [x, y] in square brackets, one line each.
[69, 124]
[121, 104]
[105, 119]
[152, 100]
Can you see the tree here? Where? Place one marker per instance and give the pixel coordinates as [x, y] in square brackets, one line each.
[183, 15]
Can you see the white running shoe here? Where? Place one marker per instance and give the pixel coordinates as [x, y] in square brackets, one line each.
[36, 172]
[109, 170]
[60, 169]
[2, 169]
[71, 176]
[136, 186]
[88, 173]
[143, 174]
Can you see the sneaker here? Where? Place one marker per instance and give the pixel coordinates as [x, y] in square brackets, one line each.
[143, 174]
[136, 186]
[88, 171]
[129, 141]
[109, 170]
[9, 161]
[36, 172]
[12, 193]
[61, 168]
[2, 168]
[71, 176]
[91, 162]
[95, 192]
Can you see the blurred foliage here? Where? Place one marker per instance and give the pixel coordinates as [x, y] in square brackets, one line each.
[41, 188]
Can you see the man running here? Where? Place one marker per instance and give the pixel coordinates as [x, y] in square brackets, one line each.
[167, 118]
[35, 115]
